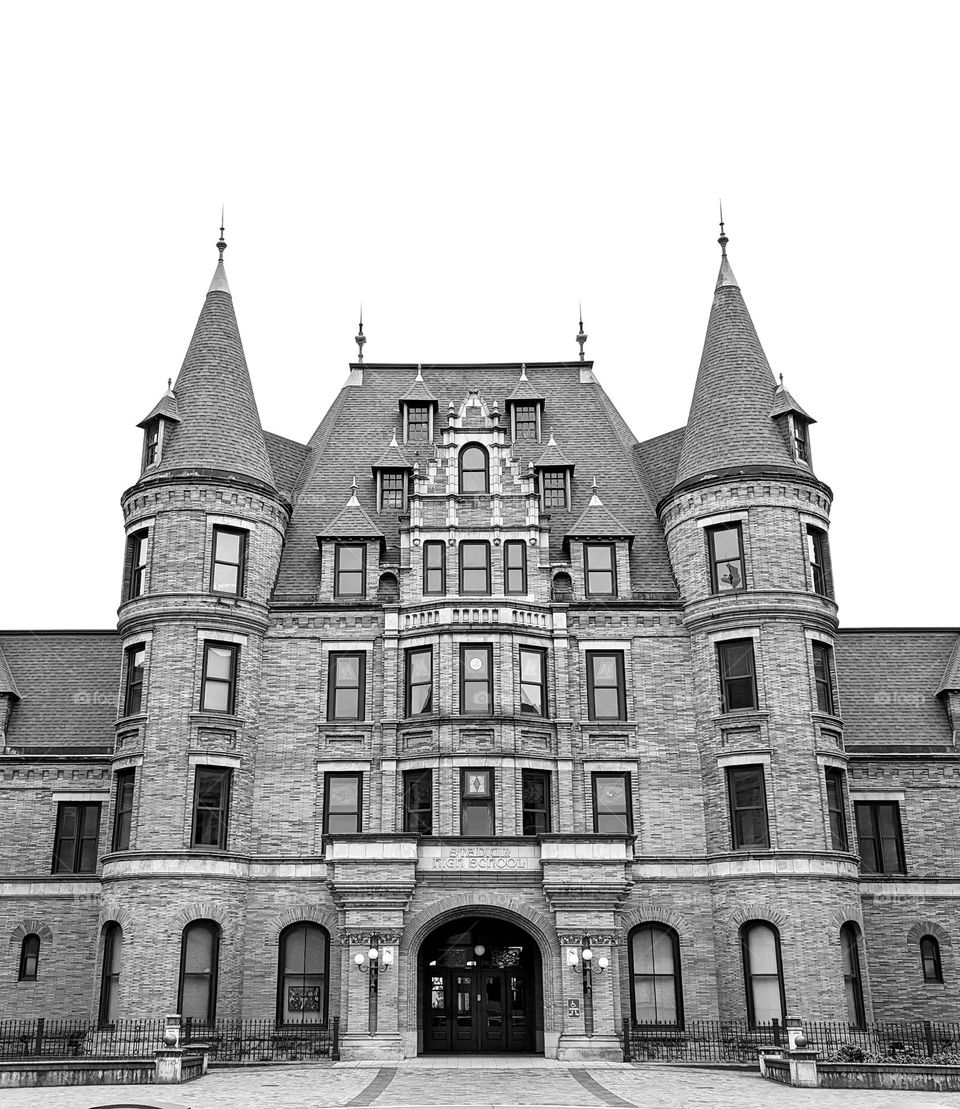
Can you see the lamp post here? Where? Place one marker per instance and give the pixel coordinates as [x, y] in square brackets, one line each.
[583, 963]
[377, 961]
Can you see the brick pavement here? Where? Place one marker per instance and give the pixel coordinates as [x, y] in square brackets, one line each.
[474, 1083]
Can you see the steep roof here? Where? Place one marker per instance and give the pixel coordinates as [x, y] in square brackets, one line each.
[393, 457]
[351, 522]
[166, 406]
[552, 457]
[524, 390]
[418, 393]
[950, 681]
[219, 424]
[659, 458]
[729, 423]
[8, 683]
[287, 458]
[597, 521]
[68, 685]
[783, 403]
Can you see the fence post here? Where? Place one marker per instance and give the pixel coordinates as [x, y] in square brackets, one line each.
[38, 1042]
[928, 1036]
[335, 1047]
[776, 1031]
[627, 1058]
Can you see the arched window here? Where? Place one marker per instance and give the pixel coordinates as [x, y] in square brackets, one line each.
[763, 972]
[852, 982]
[655, 975]
[474, 474]
[29, 958]
[199, 955]
[302, 975]
[929, 958]
[110, 975]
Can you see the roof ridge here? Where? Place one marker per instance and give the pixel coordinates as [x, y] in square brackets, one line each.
[8, 682]
[640, 474]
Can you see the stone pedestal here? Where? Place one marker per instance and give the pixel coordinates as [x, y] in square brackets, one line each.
[169, 1066]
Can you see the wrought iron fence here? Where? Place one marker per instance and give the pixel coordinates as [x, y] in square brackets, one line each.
[263, 1041]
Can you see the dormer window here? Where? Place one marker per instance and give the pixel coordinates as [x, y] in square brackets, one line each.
[525, 408]
[417, 423]
[800, 440]
[474, 469]
[393, 490]
[155, 427]
[151, 444]
[417, 408]
[553, 489]
[525, 417]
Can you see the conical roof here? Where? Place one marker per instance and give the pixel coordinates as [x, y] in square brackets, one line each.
[598, 522]
[8, 683]
[219, 424]
[729, 424]
[352, 522]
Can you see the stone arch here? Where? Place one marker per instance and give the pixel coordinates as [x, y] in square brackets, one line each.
[297, 914]
[562, 586]
[652, 912]
[203, 910]
[929, 928]
[762, 912]
[112, 912]
[850, 914]
[388, 588]
[29, 927]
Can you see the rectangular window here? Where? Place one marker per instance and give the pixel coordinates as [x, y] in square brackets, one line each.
[800, 439]
[476, 803]
[823, 678]
[349, 570]
[725, 545]
[611, 803]
[345, 690]
[474, 567]
[418, 422]
[748, 807]
[535, 789]
[525, 421]
[435, 567]
[393, 489]
[515, 566]
[76, 838]
[553, 489]
[139, 545]
[342, 794]
[533, 681]
[476, 680]
[880, 837]
[738, 678]
[226, 569]
[151, 443]
[836, 811]
[606, 689]
[601, 569]
[211, 803]
[133, 690]
[817, 556]
[419, 681]
[123, 810]
[418, 802]
[219, 682]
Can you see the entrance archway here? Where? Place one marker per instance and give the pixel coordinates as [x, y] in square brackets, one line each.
[480, 988]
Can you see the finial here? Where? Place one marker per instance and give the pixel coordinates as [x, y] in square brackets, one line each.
[360, 337]
[581, 337]
[723, 240]
[170, 383]
[221, 242]
[393, 439]
[419, 371]
[594, 485]
[781, 381]
[354, 485]
[523, 371]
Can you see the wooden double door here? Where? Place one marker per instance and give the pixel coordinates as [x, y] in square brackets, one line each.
[478, 1009]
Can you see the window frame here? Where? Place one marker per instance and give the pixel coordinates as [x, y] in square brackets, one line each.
[587, 572]
[329, 777]
[151, 443]
[409, 409]
[412, 817]
[338, 549]
[428, 546]
[850, 936]
[240, 565]
[732, 773]
[332, 688]
[212, 978]
[723, 646]
[109, 978]
[79, 839]
[874, 806]
[836, 813]
[123, 809]
[485, 544]
[139, 556]
[621, 686]
[824, 690]
[29, 953]
[542, 685]
[626, 777]
[409, 685]
[935, 958]
[461, 471]
[225, 776]
[230, 682]
[801, 440]
[134, 679]
[487, 800]
[553, 481]
[282, 975]
[531, 417]
[714, 562]
[817, 560]
[508, 546]
[677, 976]
[399, 482]
[527, 774]
[748, 975]
[488, 648]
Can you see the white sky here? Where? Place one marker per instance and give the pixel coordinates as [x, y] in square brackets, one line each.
[471, 171]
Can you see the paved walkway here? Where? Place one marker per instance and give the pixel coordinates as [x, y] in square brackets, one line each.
[475, 1083]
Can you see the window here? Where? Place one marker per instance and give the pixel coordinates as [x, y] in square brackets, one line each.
[476, 680]
[474, 477]
[725, 544]
[199, 959]
[418, 422]
[77, 837]
[800, 439]
[655, 975]
[535, 792]
[139, 545]
[419, 681]
[929, 959]
[29, 958]
[226, 568]
[110, 973]
[515, 566]
[823, 678]
[817, 556]
[418, 801]
[601, 569]
[748, 807]
[611, 803]
[219, 677]
[533, 681]
[123, 810]
[211, 804]
[349, 570]
[434, 567]
[474, 567]
[738, 679]
[302, 975]
[133, 691]
[476, 803]
[346, 686]
[525, 421]
[763, 972]
[606, 690]
[836, 810]
[852, 983]
[151, 443]
[553, 489]
[880, 837]
[341, 803]
[393, 489]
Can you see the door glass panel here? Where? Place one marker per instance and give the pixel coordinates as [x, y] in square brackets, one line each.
[464, 1002]
[494, 988]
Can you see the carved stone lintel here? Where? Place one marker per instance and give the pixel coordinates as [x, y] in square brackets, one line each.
[365, 936]
[573, 939]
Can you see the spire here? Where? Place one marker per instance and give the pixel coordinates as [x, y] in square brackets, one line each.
[581, 336]
[360, 338]
[729, 424]
[219, 282]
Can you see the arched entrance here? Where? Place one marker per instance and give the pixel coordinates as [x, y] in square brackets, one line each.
[481, 988]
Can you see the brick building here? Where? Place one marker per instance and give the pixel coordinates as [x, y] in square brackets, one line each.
[551, 726]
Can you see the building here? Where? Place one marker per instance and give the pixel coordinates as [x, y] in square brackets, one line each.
[550, 726]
